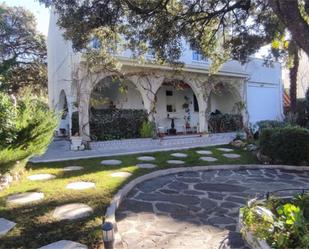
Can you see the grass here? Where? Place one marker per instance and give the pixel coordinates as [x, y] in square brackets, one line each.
[35, 224]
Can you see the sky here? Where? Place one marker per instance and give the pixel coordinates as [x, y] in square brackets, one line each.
[40, 12]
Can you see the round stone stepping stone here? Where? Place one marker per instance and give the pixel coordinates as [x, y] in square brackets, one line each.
[204, 152]
[111, 162]
[208, 159]
[80, 185]
[146, 158]
[175, 162]
[25, 198]
[121, 174]
[41, 177]
[72, 211]
[232, 156]
[225, 149]
[180, 155]
[146, 165]
[6, 226]
[73, 168]
[64, 244]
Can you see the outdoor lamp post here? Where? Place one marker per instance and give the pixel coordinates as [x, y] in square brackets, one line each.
[108, 235]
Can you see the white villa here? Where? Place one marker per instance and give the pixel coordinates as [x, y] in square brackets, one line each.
[187, 97]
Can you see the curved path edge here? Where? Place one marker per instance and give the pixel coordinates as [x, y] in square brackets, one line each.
[118, 197]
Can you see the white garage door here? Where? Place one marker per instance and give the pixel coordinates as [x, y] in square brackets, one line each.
[263, 102]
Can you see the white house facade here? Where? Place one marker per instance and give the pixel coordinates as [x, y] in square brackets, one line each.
[185, 98]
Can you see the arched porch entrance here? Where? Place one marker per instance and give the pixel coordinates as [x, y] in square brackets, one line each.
[177, 108]
[116, 110]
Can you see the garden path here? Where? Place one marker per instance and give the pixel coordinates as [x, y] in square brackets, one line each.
[196, 209]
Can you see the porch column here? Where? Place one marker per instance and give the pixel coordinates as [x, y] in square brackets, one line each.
[203, 119]
[83, 98]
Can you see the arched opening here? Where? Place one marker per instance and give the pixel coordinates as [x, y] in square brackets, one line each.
[116, 110]
[64, 125]
[225, 109]
[177, 108]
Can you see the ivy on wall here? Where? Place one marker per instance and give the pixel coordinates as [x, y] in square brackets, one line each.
[108, 124]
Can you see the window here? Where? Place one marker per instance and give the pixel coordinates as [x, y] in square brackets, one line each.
[196, 56]
[170, 108]
[169, 93]
[151, 52]
[195, 103]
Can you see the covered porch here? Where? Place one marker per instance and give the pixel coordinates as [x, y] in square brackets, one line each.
[177, 104]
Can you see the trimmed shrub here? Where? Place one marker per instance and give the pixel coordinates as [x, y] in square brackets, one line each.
[287, 145]
[267, 124]
[109, 124]
[225, 123]
[148, 129]
[75, 123]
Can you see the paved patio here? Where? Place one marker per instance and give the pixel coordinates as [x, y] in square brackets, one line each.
[196, 209]
[59, 150]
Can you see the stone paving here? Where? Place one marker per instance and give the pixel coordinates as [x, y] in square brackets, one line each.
[6, 226]
[41, 177]
[25, 198]
[196, 209]
[64, 244]
[72, 211]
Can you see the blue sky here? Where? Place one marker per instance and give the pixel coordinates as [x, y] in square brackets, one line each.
[41, 13]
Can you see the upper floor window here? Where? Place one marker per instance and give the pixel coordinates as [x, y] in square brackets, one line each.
[196, 56]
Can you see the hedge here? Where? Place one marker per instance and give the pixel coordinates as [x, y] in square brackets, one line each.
[108, 124]
[287, 145]
[225, 123]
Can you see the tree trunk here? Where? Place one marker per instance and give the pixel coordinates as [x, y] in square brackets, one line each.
[293, 81]
[289, 14]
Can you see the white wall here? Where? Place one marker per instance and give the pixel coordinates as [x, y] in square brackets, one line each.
[128, 99]
[264, 91]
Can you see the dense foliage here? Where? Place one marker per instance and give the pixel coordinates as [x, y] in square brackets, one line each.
[22, 51]
[287, 145]
[267, 124]
[148, 129]
[108, 124]
[284, 224]
[26, 129]
[225, 123]
[219, 29]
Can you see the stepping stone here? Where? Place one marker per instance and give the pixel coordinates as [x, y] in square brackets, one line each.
[180, 155]
[208, 159]
[72, 211]
[41, 177]
[111, 162]
[64, 244]
[121, 174]
[73, 168]
[6, 226]
[225, 149]
[232, 156]
[25, 198]
[80, 185]
[146, 165]
[204, 152]
[175, 162]
[146, 158]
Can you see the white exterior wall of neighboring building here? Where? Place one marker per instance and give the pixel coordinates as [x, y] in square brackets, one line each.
[258, 86]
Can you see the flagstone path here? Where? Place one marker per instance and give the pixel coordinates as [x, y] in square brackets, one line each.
[196, 209]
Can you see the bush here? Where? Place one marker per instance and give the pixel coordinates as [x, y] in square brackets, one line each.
[225, 123]
[267, 124]
[108, 124]
[148, 129]
[7, 120]
[33, 127]
[287, 145]
[75, 123]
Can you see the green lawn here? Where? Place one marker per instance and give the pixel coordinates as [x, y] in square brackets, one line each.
[35, 225]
